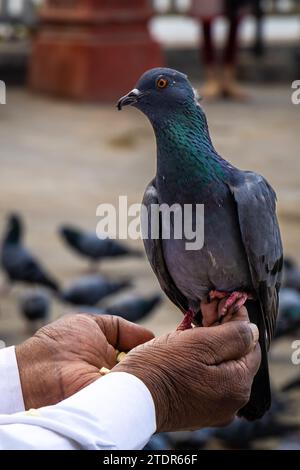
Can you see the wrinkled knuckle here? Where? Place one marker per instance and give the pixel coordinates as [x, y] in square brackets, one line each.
[207, 350]
[140, 348]
[236, 389]
[206, 355]
[46, 332]
[168, 339]
[226, 392]
[244, 336]
[240, 394]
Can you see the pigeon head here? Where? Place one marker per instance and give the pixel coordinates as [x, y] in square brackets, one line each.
[160, 91]
[70, 234]
[169, 101]
[14, 230]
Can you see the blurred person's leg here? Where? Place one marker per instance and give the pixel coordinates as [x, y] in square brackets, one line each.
[230, 85]
[205, 11]
[211, 88]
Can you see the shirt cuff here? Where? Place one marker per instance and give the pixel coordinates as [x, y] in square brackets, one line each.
[10, 385]
[116, 412]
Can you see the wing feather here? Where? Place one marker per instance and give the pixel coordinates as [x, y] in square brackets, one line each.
[154, 251]
[256, 206]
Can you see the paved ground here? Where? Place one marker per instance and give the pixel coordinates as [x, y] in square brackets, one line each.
[60, 160]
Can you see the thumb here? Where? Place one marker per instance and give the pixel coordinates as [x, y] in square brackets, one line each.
[226, 342]
[122, 334]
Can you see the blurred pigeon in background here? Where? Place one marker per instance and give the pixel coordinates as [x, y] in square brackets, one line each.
[237, 261]
[292, 385]
[291, 442]
[17, 262]
[195, 440]
[241, 434]
[134, 308]
[89, 290]
[158, 442]
[88, 245]
[288, 322]
[291, 274]
[35, 306]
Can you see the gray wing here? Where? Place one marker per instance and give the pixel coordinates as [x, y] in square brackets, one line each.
[155, 255]
[256, 207]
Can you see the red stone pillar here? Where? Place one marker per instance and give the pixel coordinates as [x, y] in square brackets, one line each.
[92, 49]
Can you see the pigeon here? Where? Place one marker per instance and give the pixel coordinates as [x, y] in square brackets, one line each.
[134, 308]
[241, 434]
[89, 290]
[35, 306]
[293, 384]
[241, 259]
[18, 263]
[191, 440]
[88, 244]
[158, 442]
[288, 322]
[291, 442]
[291, 274]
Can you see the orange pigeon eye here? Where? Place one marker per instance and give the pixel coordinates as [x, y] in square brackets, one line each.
[162, 83]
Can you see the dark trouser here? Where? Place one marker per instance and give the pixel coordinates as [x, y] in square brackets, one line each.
[231, 47]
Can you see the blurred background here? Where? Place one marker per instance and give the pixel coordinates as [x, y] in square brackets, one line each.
[65, 149]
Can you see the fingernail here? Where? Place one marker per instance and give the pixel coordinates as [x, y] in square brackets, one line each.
[255, 332]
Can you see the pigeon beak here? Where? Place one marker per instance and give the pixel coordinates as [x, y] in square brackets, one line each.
[131, 98]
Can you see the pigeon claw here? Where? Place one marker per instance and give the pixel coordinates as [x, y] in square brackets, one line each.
[234, 301]
[216, 294]
[187, 321]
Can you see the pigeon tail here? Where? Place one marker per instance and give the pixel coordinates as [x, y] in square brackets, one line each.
[260, 397]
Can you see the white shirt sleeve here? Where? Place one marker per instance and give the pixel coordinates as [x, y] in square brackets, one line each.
[11, 400]
[114, 413]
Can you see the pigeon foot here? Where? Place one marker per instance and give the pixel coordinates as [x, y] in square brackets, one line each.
[186, 323]
[235, 300]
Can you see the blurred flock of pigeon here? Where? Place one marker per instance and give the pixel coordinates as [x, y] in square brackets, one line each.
[86, 293]
[19, 265]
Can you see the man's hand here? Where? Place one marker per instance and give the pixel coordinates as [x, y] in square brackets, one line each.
[66, 356]
[199, 377]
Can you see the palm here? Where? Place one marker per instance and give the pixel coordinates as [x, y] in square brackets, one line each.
[86, 352]
[67, 355]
